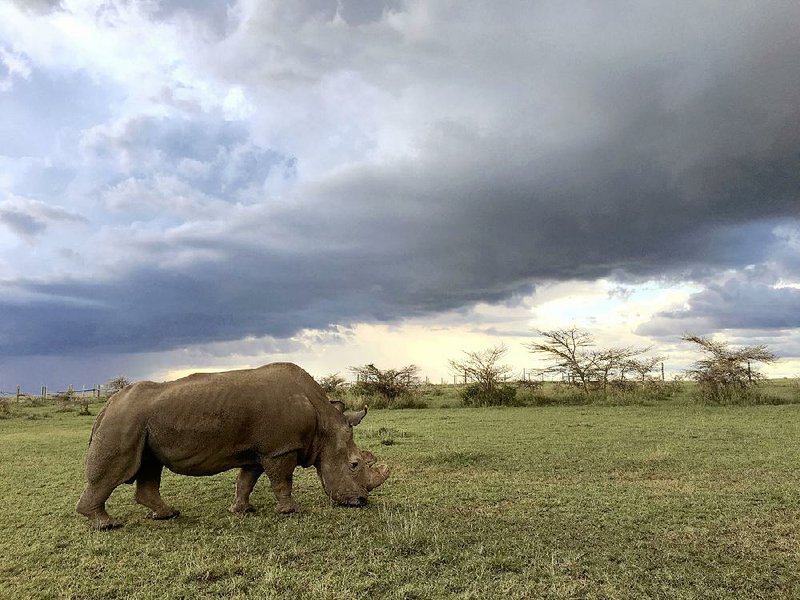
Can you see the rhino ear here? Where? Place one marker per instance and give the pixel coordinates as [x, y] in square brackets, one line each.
[338, 405]
[354, 418]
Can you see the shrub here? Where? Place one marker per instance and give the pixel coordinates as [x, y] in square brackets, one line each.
[333, 384]
[504, 395]
[485, 373]
[396, 387]
[409, 400]
[725, 375]
[118, 383]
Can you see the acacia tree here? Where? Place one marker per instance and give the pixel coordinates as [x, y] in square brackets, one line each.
[612, 363]
[724, 372]
[573, 353]
[643, 367]
[567, 349]
[486, 374]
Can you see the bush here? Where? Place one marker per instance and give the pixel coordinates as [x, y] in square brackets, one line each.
[561, 394]
[390, 388]
[733, 395]
[725, 375]
[475, 395]
[409, 400]
[356, 401]
[334, 385]
[117, 384]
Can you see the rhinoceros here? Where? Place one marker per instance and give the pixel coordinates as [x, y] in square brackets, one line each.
[270, 419]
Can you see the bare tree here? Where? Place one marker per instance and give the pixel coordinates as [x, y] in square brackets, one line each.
[643, 367]
[567, 349]
[612, 363]
[483, 368]
[484, 371]
[573, 354]
[723, 370]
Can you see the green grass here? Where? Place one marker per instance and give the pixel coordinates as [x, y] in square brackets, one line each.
[664, 501]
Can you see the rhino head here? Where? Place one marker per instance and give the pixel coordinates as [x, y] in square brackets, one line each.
[348, 473]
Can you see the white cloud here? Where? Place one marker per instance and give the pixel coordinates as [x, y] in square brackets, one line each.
[15, 65]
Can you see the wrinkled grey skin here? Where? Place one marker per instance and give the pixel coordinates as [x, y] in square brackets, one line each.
[269, 419]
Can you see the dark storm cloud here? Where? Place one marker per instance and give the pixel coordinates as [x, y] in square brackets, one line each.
[733, 304]
[623, 142]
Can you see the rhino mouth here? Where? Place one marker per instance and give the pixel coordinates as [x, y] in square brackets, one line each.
[354, 502]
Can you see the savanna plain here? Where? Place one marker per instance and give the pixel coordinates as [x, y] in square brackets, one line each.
[663, 500]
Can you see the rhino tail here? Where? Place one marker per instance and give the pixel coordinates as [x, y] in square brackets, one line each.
[103, 412]
[140, 454]
[97, 422]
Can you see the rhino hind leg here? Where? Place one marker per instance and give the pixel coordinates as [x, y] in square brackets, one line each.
[108, 466]
[245, 482]
[280, 471]
[148, 484]
[92, 505]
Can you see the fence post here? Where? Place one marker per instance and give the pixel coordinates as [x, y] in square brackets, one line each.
[18, 388]
[662, 372]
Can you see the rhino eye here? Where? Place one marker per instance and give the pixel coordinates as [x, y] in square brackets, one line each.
[354, 465]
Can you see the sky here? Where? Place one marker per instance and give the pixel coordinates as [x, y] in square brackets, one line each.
[195, 185]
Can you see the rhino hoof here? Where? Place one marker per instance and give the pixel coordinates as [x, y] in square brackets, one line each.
[105, 525]
[287, 508]
[163, 516]
[242, 509]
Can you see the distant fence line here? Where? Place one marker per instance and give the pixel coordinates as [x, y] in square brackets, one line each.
[533, 374]
[96, 391]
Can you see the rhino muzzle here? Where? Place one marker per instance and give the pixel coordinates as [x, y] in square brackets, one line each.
[355, 502]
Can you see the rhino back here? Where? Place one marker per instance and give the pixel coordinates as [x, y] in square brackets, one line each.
[208, 423]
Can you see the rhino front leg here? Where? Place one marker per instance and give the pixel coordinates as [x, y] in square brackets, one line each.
[148, 490]
[280, 471]
[245, 482]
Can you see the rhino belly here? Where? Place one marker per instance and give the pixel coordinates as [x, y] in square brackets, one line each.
[206, 462]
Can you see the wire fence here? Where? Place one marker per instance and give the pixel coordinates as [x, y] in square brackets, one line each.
[102, 390]
[19, 394]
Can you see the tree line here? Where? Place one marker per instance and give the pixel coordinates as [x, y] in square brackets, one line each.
[723, 374]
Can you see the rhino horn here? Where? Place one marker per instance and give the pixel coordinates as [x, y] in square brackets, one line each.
[369, 457]
[377, 475]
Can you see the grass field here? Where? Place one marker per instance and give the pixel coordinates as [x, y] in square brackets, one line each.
[666, 501]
